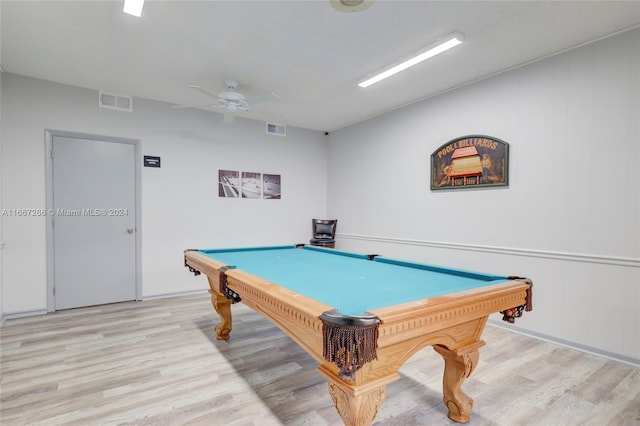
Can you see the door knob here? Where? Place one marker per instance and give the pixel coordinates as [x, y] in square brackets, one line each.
[130, 230]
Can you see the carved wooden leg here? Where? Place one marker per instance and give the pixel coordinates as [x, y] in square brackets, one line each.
[222, 305]
[458, 365]
[358, 405]
[357, 408]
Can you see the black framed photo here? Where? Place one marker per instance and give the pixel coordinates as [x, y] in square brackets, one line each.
[229, 183]
[251, 184]
[271, 187]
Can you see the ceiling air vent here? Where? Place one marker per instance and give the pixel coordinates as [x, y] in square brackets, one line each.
[276, 129]
[350, 5]
[111, 101]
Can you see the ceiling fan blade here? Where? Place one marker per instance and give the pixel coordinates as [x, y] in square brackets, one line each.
[193, 106]
[228, 117]
[203, 90]
[261, 98]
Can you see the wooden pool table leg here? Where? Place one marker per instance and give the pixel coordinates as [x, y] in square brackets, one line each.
[357, 409]
[357, 405]
[222, 305]
[458, 365]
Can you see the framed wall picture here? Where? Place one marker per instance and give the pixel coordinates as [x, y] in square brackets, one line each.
[251, 184]
[470, 162]
[229, 183]
[271, 186]
[235, 184]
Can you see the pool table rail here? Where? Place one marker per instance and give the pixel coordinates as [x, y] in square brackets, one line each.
[412, 318]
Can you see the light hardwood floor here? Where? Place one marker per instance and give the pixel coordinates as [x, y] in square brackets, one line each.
[157, 362]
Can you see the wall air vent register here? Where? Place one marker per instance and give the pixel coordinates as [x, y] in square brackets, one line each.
[111, 101]
[276, 129]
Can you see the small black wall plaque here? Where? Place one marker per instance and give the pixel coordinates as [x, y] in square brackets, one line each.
[150, 161]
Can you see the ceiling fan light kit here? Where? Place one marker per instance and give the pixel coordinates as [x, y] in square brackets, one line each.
[430, 51]
[232, 100]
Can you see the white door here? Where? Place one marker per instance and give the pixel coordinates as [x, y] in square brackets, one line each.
[94, 236]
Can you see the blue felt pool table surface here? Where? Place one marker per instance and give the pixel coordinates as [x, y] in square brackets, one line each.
[348, 282]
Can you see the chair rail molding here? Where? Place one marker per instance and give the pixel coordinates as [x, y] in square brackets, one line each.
[570, 257]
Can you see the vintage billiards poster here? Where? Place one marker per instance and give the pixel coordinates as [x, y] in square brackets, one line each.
[271, 186]
[228, 183]
[470, 162]
[251, 184]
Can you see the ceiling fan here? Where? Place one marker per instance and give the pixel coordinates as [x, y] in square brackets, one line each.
[231, 100]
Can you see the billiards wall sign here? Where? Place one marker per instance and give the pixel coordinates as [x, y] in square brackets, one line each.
[236, 184]
[474, 161]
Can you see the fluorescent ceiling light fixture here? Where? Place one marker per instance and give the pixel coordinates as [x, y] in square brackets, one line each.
[133, 7]
[438, 47]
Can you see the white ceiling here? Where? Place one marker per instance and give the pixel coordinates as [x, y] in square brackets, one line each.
[308, 53]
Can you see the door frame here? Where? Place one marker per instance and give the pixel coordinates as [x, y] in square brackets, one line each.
[49, 135]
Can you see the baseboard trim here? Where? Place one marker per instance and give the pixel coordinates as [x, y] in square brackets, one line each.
[567, 344]
[170, 295]
[563, 256]
[14, 315]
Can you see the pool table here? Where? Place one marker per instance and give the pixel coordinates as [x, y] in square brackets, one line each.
[362, 316]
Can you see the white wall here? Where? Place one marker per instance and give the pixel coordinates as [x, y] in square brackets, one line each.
[1, 233]
[570, 218]
[1, 240]
[180, 204]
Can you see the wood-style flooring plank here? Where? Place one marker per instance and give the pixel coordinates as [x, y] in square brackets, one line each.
[158, 362]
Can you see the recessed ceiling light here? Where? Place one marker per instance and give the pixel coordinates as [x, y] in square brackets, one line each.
[350, 5]
[133, 7]
[430, 51]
